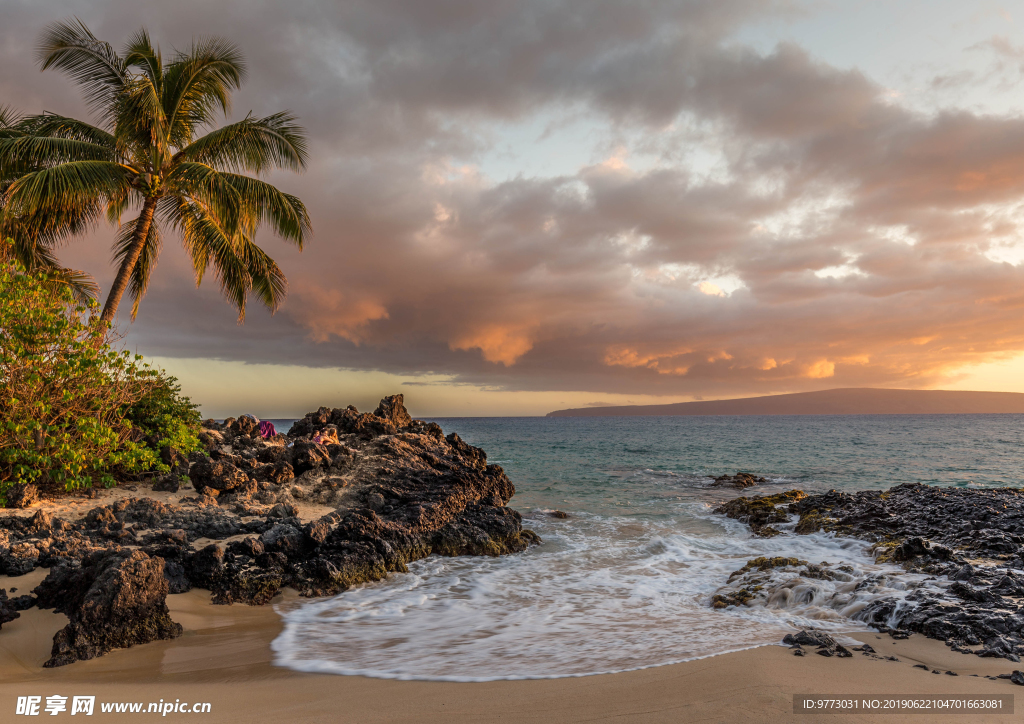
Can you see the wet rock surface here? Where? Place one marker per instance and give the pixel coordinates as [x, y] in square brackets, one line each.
[759, 512]
[965, 544]
[397, 490]
[739, 480]
[826, 645]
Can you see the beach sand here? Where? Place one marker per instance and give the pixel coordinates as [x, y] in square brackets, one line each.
[224, 658]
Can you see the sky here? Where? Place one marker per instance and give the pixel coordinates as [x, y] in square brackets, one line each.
[521, 206]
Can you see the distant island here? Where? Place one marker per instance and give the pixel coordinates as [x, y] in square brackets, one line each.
[845, 401]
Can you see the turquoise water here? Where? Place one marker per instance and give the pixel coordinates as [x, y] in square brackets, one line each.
[852, 452]
[626, 581]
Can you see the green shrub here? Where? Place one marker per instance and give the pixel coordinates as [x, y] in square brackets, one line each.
[64, 390]
[166, 418]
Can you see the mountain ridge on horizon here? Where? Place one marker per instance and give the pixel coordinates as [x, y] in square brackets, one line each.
[839, 401]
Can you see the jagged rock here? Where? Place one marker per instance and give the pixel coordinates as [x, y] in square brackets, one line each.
[177, 578]
[392, 408]
[310, 456]
[177, 462]
[206, 566]
[278, 473]
[22, 495]
[1017, 677]
[283, 538]
[169, 483]
[218, 475]
[739, 480]
[760, 511]
[19, 559]
[478, 456]
[402, 491]
[8, 609]
[244, 425]
[827, 646]
[114, 599]
[929, 530]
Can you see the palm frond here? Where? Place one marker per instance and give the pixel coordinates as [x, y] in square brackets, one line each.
[50, 226]
[43, 151]
[268, 282]
[238, 201]
[40, 258]
[207, 187]
[197, 83]
[141, 128]
[9, 119]
[53, 125]
[70, 46]
[139, 53]
[241, 267]
[253, 144]
[68, 186]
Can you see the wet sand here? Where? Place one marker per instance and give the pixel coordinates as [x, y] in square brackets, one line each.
[224, 658]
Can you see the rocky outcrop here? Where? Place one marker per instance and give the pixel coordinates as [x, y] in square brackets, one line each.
[826, 645]
[392, 489]
[925, 529]
[760, 512]
[739, 480]
[114, 599]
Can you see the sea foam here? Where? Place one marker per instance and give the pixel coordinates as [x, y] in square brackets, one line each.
[602, 594]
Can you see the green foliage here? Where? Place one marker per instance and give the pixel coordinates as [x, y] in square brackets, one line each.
[166, 418]
[63, 389]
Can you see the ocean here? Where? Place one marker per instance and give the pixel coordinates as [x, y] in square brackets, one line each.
[625, 581]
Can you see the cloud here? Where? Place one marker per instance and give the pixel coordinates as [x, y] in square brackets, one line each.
[497, 343]
[712, 290]
[851, 227]
[330, 313]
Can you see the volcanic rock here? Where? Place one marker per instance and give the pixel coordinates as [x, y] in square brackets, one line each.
[22, 495]
[929, 530]
[8, 609]
[397, 490]
[739, 480]
[114, 599]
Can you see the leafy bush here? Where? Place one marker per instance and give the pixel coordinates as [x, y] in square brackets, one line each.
[165, 418]
[64, 390]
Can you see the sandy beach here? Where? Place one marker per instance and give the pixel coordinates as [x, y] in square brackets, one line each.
[224, 658]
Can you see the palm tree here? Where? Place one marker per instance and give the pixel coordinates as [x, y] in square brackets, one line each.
[59, 175]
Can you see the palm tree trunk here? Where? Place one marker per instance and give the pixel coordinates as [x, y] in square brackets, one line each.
[131, 258]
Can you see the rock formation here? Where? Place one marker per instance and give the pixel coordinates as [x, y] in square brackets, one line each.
[396, 489]
[114, 599]
[924, 529]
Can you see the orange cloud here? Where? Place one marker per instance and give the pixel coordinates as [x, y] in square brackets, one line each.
[820, 369]
[330, 312]
[498, 343]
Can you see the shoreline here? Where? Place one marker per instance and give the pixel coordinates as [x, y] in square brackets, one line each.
[299, 536]
[224, 658]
